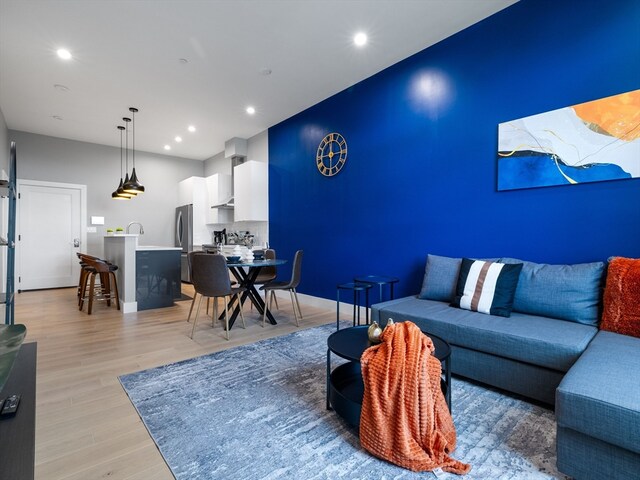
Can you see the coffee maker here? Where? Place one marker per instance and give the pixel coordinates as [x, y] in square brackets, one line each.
[220, 237]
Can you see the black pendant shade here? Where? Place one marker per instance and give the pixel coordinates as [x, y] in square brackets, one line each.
[120, 194]
[133, 185]
[130, 186]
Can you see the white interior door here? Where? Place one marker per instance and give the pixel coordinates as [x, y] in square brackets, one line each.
[50, 233]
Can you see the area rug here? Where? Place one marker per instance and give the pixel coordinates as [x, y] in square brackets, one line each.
[257, 412]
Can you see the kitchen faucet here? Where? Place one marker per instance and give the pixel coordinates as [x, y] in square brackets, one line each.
[133, 223]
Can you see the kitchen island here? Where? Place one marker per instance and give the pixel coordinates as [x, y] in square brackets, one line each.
[148, 275]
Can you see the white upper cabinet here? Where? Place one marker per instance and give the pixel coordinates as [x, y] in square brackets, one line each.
[219, 191]
[251, 191]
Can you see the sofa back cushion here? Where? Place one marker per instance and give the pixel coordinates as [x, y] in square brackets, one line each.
[486, 287]
[567, 292]
[440, 278]
[621, 312]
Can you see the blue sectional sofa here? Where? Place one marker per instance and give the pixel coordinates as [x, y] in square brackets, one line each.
[550, 349]
[598, 411]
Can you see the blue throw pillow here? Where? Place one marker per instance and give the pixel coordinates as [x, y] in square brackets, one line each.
[440, 278]
[567, 292]
[486, 287]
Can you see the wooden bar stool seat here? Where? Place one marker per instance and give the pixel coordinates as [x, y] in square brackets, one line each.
[85, 270]
[108, 289]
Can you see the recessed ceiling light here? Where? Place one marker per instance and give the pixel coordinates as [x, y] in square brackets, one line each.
[167, 147]
[251, 110]
[360, 39]
[191, 128]
[56, 117]
[64, 53]
[178, 139]
[61, 88]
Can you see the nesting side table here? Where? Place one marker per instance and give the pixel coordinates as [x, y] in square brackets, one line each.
[357, 288]
[380, 281]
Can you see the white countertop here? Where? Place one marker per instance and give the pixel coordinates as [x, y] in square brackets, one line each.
[142, 247]
[155, 247]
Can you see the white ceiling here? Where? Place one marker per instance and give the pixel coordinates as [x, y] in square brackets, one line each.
[126, 53]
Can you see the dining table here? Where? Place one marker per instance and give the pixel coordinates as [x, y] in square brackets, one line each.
[246, 273]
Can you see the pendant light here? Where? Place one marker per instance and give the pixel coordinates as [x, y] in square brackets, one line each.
[126, 121]
[119, 194]
[133, 185]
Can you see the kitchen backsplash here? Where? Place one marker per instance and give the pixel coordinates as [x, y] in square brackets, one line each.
[260, 230]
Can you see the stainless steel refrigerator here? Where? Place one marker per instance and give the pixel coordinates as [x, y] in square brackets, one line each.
[184, 237]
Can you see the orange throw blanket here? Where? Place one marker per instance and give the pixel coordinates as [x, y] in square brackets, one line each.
[405, 419]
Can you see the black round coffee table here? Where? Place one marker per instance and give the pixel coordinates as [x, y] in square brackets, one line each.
[345, 388]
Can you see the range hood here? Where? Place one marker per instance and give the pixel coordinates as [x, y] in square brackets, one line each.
[236, 150]
[227, 203]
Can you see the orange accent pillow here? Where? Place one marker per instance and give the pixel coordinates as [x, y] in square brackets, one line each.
[622, 297]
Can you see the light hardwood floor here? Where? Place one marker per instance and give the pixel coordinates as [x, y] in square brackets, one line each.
[86, 427]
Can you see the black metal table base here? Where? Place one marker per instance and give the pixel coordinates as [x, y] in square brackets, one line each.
[247, 280]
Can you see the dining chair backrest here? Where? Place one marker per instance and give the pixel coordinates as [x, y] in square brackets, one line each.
[190, 256]
[267, 273]
[296, 270]
[210, 275]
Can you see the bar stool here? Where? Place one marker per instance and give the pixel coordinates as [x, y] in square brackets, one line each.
[93, 266]
[85, 270]
[380, 281]
[356, 288]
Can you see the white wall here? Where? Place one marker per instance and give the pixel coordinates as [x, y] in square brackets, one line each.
[4, 146]
[217, 164]
[257, 149]
[55, 159]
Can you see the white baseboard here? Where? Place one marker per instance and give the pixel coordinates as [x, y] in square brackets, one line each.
[346, 309]
[128, 307]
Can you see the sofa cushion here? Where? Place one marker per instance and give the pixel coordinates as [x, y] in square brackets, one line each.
[440, 278]
[486, 287]
[541, 341]
[568, 292]
[600, 395]
[621, 313]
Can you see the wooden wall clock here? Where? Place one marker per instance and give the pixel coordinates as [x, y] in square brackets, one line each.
[332, 154]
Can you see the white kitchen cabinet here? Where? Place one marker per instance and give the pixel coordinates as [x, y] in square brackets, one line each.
[219, 191]
[251, 191]
[193, 190]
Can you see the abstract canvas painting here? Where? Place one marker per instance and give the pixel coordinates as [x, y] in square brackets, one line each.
[588, 142]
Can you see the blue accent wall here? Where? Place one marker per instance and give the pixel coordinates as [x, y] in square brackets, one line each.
[422, 140]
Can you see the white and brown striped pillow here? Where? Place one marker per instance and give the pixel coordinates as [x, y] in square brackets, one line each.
[487, 287]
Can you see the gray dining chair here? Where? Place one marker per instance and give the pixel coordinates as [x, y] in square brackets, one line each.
[291, 285]
[190, 256]
[267, 275]
[210, 278]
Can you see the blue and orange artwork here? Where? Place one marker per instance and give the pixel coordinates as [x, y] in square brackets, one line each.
[590, 142]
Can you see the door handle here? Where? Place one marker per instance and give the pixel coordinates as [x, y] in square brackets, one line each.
[76, 242]
[179, 229]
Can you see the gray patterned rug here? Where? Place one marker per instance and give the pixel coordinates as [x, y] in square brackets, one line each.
[258, 412]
